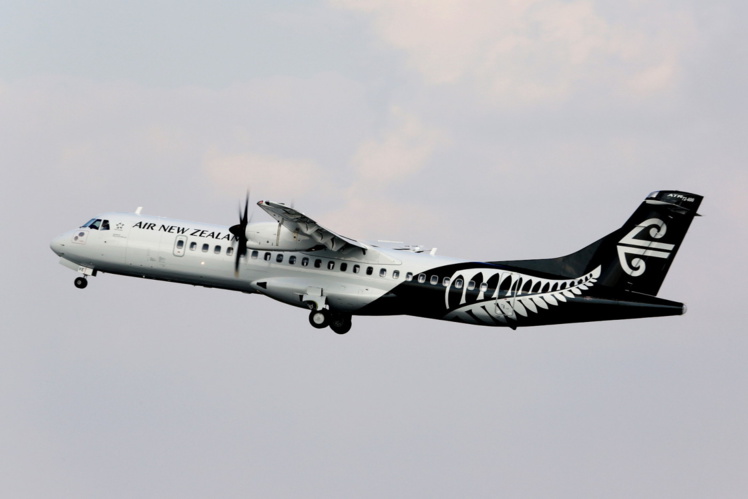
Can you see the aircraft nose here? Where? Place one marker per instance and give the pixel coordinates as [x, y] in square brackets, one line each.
[58, 245]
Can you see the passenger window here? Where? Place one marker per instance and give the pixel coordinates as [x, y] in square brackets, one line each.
[471, 285]
[395, 274]
[343, 267]
[292, 259]
[105, 225]
[217, 250]
[421, 278]
[229, 251]
[304, 262]
[206, 247]
[267, 256]
[458, 283]
[180, 244]
[369, 270]
[356, 268]
[255, 254]
[193, 246]
[445, 282]
[483, 287]
[330, 265]
[382, 272]
[317, 263]
[409, 276]
[434, 279]
[279, 258]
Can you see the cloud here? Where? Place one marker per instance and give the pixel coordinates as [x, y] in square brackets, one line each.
[126, 138]
[652, 79]
[532, 51]
[362, 192]
[308, 141]
[399, 153]
[364, 202]
[268, 175]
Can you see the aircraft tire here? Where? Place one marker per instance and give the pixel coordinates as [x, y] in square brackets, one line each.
[80, 282]
[340, 324]
[319, 318]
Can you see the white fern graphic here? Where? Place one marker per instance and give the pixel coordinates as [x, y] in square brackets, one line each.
[511, 300]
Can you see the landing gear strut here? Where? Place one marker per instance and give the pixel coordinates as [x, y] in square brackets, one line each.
[80, 282]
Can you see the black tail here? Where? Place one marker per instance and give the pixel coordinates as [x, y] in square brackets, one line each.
[637, 256]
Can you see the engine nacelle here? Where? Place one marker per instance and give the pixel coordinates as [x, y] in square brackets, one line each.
[270, 235]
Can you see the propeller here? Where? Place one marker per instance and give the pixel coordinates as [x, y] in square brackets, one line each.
[240, 232]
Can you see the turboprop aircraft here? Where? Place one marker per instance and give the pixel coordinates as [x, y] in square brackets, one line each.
[297, 261]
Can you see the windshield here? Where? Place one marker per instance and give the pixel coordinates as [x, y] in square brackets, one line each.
[97, 224]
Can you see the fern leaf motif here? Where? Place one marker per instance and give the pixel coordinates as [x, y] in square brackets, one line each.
[496, 297]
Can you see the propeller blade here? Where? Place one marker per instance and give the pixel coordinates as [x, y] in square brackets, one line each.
[240, 232]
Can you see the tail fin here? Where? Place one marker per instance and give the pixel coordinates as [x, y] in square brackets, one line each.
[637, 256]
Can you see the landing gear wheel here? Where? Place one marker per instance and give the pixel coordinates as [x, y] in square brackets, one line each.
[341, 324]
[80, 282]
[319, 318]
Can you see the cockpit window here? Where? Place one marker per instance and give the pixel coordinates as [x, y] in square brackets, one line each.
[97, 224]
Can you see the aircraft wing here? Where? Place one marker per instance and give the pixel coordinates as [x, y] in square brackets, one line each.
[295, 221]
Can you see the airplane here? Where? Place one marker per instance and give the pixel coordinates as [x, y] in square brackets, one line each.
[297, 261]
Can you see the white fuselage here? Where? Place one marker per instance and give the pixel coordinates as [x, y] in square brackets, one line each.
[203, 255]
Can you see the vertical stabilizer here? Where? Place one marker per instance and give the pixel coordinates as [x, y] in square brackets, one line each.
[637, 256]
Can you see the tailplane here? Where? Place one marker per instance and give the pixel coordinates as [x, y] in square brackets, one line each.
[637, 256]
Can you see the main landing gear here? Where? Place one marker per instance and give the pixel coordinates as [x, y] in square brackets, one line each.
[80, 282]
[321, 318]
[340, 323]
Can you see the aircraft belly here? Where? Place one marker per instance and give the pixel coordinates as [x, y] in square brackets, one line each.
[351, 298]
[348, 297]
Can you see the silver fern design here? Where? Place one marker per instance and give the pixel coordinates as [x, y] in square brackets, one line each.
[501, 296]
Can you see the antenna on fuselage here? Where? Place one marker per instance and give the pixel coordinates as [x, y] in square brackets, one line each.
[140, 208]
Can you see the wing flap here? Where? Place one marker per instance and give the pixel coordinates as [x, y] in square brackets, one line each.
[295, 221]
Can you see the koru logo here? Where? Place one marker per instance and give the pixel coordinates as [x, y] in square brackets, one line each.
[631, 245]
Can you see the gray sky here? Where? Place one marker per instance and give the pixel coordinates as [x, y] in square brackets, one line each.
[490, 129]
